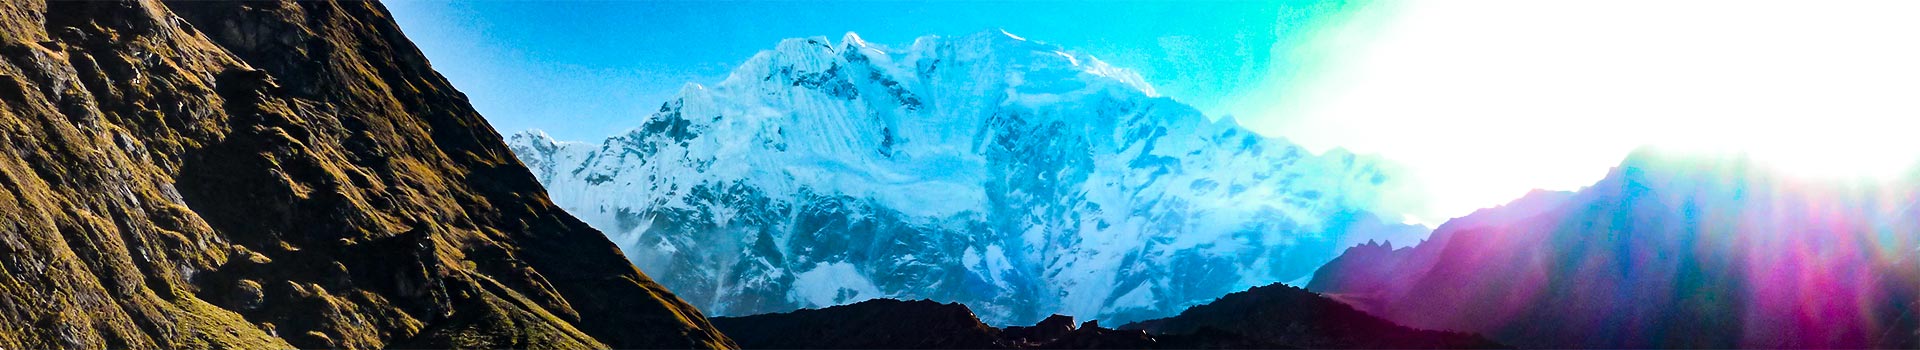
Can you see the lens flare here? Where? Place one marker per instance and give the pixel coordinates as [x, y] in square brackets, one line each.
[1486, 99]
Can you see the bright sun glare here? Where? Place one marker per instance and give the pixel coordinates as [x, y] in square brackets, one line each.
[1485, 100]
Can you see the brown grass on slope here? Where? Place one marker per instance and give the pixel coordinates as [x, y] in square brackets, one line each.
[259, 175]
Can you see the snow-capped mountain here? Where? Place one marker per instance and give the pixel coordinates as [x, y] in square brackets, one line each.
[1010, 175]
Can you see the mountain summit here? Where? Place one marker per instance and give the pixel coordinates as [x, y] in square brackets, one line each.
[1011, 175]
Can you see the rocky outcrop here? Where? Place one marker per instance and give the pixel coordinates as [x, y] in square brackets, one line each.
[1053, 327]
[280, 174]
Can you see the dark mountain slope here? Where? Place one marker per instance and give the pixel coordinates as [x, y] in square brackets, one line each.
[1666, 251]
[1366, 274]
[872, 324]
[274, 174]
[1270, 317]
[1279, 315]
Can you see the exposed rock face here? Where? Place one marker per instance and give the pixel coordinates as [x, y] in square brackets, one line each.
[1053, 327]
[1281, 316]
[1664, 252]
[1271, 317]
[267, 175]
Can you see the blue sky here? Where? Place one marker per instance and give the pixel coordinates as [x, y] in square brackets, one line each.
[586, 69]
[1482, 100]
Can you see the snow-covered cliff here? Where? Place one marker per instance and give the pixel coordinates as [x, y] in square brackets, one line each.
[1011, 175]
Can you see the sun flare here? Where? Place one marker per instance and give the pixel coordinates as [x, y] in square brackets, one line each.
[1485, 100]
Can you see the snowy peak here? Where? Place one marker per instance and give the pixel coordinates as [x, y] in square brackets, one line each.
[1003, 32]
[851, 40]
[1014, 176]
[986, 54]
[531, 137]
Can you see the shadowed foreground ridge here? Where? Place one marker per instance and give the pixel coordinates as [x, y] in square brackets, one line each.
[1271, 317]
[267, 175]
[872, 324]
[1279, 315]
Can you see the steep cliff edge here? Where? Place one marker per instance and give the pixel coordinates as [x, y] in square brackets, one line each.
[262, 175]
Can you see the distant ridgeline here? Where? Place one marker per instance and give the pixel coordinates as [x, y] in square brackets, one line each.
[1269, 317]
[1665, 252]
[1010, 175]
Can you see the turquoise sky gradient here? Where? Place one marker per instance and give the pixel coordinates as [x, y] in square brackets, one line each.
[587, 69]
[1482, 100]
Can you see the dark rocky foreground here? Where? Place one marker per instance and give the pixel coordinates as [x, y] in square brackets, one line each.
[1270, 317]
[280, 174]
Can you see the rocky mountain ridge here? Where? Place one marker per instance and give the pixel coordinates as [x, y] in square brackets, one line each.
[276, 175]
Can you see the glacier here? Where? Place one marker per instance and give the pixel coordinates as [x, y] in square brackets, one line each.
[1011, 175]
